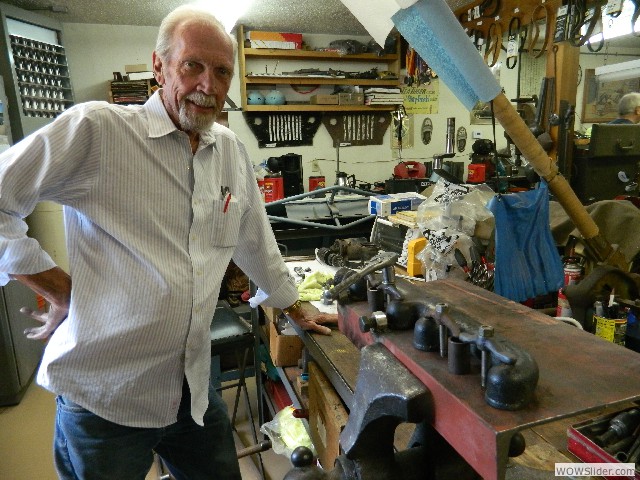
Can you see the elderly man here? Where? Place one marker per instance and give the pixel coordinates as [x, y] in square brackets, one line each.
[628, 109]
[157, 200]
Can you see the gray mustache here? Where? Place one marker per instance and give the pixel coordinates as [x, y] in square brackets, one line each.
[202, 100]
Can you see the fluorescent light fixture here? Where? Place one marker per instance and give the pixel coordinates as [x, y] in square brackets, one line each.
[618, 71]
[227, 11]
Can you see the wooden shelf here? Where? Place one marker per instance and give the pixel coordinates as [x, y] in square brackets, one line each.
[388, 62]
[272, 80]
[317, 55]
[307, 107]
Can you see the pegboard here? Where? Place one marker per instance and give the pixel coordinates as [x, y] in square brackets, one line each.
[357, 128]
[283, 129]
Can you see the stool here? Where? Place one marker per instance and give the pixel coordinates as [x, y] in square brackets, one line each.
[231, 333]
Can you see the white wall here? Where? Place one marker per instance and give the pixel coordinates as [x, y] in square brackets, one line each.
[96, 51]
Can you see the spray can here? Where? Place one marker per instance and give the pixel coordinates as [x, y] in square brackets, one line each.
[573, 271]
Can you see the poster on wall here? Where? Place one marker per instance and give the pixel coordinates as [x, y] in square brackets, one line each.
[423, 99]
[600, 99]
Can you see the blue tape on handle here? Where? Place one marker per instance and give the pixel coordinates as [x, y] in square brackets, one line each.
[433, 31]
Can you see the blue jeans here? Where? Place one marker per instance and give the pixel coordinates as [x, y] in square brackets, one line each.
[88, 447]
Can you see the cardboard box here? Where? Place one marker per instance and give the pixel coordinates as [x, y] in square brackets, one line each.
[138, 67]
[285, 350]
[351, 99]
[270, 314]
[384, 205]
[279, 40]
[327, 416]
[324, 99]
[580, 443]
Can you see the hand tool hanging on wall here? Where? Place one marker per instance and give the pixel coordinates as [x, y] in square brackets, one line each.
[399, 121]
[283, 130]
[356, 128]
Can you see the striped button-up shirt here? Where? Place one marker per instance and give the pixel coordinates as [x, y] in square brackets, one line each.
[150, 230]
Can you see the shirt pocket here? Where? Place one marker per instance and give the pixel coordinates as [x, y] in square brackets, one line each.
[225, 228]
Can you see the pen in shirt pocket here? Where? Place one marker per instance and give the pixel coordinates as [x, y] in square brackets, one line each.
[226, 196]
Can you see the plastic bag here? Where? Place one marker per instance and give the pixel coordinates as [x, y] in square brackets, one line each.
[311, 287]
[461, 207]
[438, 257]
[449, 218]
[287, 432]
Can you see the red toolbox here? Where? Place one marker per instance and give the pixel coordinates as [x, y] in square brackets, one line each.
[581, 443]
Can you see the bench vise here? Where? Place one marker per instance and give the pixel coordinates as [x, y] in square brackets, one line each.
[518, 368]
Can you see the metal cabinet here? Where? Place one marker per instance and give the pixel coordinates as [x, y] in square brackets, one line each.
[19, 356]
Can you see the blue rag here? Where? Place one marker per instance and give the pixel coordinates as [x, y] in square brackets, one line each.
[435, 33]
[527, 261]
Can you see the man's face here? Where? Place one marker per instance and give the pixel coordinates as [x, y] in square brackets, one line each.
[195, 76]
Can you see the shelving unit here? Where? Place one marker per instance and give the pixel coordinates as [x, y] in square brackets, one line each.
[389, 62]
[127, 92]
[33, 65]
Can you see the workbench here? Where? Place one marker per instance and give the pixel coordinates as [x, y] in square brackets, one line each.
[546, 438]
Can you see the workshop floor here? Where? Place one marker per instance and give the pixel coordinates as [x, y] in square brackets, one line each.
[26, 431]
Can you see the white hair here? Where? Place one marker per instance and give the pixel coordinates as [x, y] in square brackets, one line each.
[186, 14]
[628, 103]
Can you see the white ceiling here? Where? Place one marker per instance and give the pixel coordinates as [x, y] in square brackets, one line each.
[308, 16]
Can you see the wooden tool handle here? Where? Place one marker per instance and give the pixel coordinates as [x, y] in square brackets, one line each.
[544, 166]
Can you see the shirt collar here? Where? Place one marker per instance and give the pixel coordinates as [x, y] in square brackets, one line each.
[160, 124]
